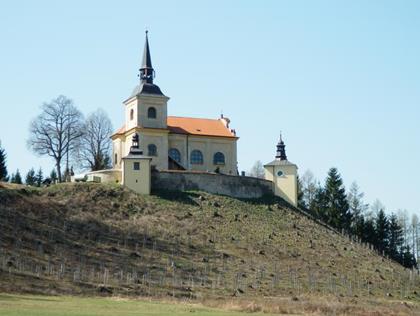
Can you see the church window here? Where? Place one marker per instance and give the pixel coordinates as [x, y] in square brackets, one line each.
[131, 114]
[175, 154]
[280, 173]
[151, 112]
[115, 159]
[136, 166]
[219, 158]
[196, 157]
[152, 150]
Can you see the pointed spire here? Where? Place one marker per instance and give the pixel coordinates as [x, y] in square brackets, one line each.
[146, 71]
[281, 150]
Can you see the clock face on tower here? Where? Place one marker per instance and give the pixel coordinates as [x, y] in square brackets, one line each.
[280, 173]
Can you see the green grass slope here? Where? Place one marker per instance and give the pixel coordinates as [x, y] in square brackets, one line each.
[18, 305]
[102, 240]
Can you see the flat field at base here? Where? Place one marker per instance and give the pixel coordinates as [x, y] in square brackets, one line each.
[29, 305]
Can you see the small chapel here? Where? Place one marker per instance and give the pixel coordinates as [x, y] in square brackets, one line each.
[172, 142]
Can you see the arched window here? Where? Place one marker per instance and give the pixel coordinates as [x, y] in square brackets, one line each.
[131, 114]
[219, 158]
[175, 154]
[151, 113]
[196, 157]
[152, 150]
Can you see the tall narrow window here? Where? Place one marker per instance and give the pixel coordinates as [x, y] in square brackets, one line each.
[115, 159]
[219, 158]
[151, 112]
[196, 157]
[131, 114]
[152, 150]
[175, 154]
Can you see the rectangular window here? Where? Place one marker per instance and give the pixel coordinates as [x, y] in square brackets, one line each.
[136, 165]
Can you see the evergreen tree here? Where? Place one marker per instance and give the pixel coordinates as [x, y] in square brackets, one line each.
[358, 226]
[407, 258]
[30, 178]
[3, 167]
[396, 238]
[53, 175]
[369, 234]
[337, 211]
[17, 178]
[381, 231]
[39, 177]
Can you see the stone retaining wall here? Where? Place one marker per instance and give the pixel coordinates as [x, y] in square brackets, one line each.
[235, 186]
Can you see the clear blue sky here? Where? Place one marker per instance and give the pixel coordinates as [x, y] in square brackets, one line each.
[341, 79]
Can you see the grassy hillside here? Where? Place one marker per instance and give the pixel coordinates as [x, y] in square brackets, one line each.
[100, 239]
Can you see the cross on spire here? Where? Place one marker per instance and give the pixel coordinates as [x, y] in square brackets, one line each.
[147, 72]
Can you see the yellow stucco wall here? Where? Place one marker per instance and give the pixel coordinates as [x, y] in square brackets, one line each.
[185, 144]
[208, 146]
[140, 105]
[137, 180]
[285, 186]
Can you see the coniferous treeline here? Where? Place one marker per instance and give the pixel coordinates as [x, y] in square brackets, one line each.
[347, 212]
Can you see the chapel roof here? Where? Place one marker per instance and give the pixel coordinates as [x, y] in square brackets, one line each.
[194, 126]
[199, 126]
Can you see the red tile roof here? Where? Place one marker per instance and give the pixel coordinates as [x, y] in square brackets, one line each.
[193, 126]
[198, 126]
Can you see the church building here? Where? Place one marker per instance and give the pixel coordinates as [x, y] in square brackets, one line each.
[172, 142]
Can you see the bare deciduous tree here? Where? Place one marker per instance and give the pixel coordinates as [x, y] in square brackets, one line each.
[95, 144]
[355, 199]
[257, 170]
[414, 233]
[309, 187]
[56, 130]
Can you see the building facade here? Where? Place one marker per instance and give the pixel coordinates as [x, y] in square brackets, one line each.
[173, 143]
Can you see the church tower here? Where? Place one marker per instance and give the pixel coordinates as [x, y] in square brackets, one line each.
[146, 113]
[147, 105]
[283, 174]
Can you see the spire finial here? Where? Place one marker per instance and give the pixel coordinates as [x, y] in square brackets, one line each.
[147, 72]
[281, 149]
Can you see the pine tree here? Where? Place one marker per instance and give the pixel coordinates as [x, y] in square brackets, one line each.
[3, 168]
[396, 238]
[369, 234]
[407, 258]
[358, 226]
[39, 177]
[338, 212]
[17, 178]
[30, 178]
[381, 231]
[53, 175]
